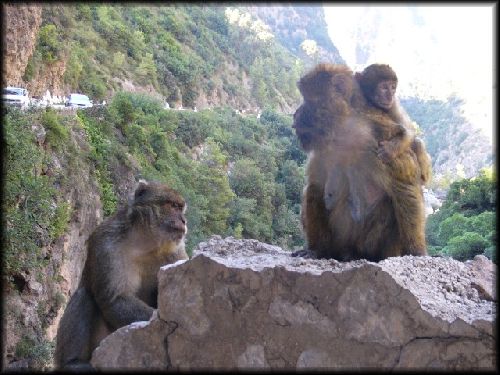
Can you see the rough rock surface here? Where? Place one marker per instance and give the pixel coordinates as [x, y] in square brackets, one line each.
[34, 308]
[21, 24]
[242, 304]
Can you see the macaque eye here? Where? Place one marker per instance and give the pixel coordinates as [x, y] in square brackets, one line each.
[177, 205]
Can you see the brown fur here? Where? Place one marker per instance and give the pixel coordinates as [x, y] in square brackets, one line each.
[408, 162]
[119, 281]
[326, 87]
[357, 204]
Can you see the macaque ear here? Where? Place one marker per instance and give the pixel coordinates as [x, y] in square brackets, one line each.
[342, 84]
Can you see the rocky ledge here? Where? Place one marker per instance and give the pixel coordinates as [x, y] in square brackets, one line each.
[243, 304]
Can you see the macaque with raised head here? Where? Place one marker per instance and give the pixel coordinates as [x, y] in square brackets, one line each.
[358, 186]
[119, 281]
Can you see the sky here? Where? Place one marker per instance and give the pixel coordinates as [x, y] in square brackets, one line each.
[436, 51]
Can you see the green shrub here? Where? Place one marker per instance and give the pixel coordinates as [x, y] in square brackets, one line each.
[38, 353]
[61, 219]
[108, 196]
[74, 68]
[102, 151]
[29, 204]
[465, 224]
[465, 246]
[49, 43]
[57, 134]
[93, 84]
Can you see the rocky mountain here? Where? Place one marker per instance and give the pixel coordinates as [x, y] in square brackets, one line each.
[458, 149]
[203, 57]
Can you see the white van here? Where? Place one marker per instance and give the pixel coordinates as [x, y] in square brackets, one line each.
[15, 96]
[78, 101]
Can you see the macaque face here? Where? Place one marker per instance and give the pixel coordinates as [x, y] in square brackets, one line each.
[384, 94]
[303, 123]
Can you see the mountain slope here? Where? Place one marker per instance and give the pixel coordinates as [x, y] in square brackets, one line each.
[189, 56]
[301, 29]
[457, 149]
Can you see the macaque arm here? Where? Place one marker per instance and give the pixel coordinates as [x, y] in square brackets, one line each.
[399, 143]
[126, 309]
[424, 160]
[113, 289]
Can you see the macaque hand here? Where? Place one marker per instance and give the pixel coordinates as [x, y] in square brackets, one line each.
[386, 151]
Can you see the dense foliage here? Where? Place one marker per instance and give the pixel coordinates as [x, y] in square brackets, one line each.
[241, 176]
[34, 214]
[465, 224]
[178, 51]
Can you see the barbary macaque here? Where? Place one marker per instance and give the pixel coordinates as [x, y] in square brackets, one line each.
[363, 197]
[399, 148]
[119, 282]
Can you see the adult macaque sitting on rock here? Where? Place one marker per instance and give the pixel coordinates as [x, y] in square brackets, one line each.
[119, 281]
[363, 197]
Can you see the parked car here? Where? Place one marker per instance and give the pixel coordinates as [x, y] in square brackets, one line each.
[78, 101]
[15, 96]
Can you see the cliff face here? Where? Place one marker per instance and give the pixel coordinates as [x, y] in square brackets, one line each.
[34, 303]
[21, 24]
[242, 304]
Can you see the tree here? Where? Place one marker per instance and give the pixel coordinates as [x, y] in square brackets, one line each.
[213, 181]
[464, 226]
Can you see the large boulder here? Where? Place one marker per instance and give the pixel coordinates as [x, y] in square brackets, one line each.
[242, 304]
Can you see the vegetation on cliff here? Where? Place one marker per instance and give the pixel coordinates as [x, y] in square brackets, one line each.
[34, 213]
[178, 52]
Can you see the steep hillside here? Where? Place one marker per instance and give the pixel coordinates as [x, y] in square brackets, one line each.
[302, 29]
[457, 149]
[20, 28]
[189, 56]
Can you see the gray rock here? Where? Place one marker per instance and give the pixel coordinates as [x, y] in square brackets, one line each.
[242, 304]
[139, 345]
[431, 201]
